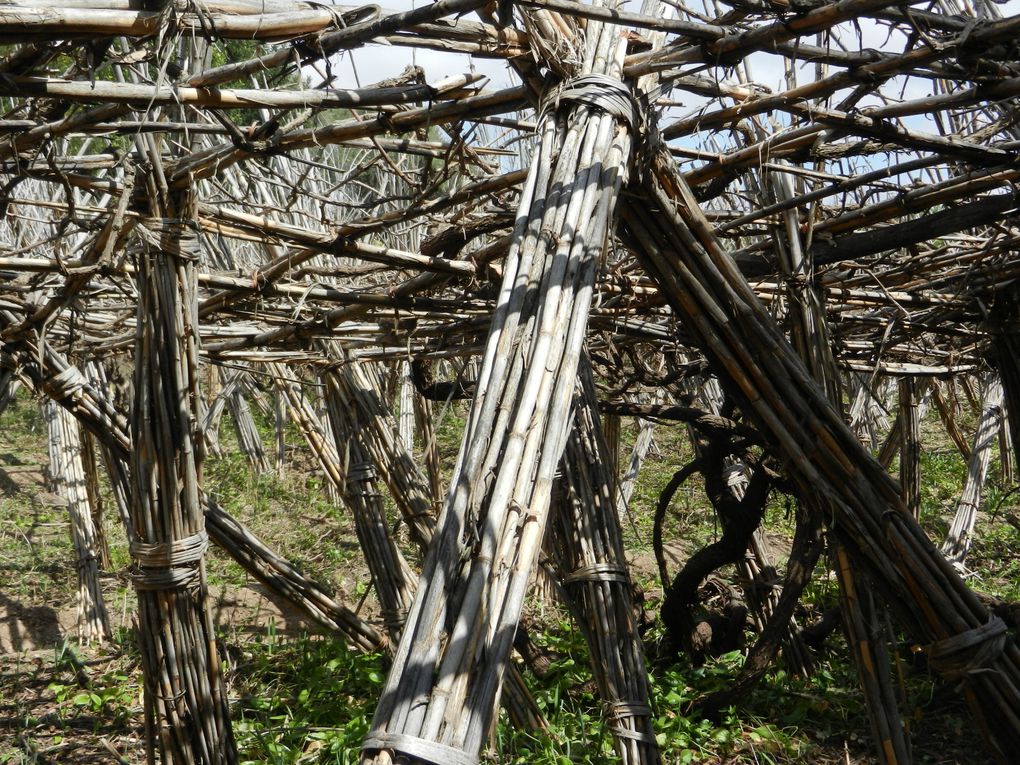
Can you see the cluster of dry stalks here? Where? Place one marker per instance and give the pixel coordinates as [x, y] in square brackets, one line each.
[639, 225]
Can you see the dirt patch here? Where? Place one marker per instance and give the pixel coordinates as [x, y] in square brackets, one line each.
[64, 707]
[25, 628]
[240, 613]
[60, 703]
[245, 612]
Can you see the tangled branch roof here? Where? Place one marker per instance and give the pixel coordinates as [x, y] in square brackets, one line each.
[881, 138]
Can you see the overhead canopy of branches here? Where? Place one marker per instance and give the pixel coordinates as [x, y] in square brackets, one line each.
[380, 225]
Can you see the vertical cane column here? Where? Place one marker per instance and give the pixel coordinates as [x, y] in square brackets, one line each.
[865, 629]
[185, 700]
[589, 548]
[183, 680]
[68, 470]
[961, 531]
[910, 446]
[438, 702]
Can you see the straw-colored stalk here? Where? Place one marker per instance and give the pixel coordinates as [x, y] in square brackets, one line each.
[961, 531]
[439, 698]
[910, 446]
[68, 473]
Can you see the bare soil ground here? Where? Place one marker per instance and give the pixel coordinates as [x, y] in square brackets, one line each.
[61, 702]
[47, 712]
[64, 703]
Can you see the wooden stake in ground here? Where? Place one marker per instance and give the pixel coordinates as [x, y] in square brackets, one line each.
[68, 473]
[961, 532]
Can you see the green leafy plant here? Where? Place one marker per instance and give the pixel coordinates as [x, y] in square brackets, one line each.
[307, 700]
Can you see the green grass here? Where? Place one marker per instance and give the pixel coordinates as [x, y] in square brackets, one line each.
[308, 699]
[33, 533]
[293, 514]
[995, 555]
[689, 517]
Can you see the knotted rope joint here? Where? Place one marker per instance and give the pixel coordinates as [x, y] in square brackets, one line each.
[960, 657]
[168, 565]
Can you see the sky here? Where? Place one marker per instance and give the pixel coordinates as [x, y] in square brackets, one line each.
[372, 63]
[378, 62]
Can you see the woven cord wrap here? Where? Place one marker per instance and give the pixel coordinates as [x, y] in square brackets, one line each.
[168, 565]
[626, 710]
[419, 748]
[960, 657]
[176, 236]
[597, 572]
[393, 619]
[68, 382]
[600, 91]
[362, 471]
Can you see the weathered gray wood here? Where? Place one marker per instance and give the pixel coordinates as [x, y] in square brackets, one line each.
[961, 532]
[68, 473]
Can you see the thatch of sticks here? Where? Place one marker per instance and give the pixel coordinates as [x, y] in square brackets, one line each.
[199, 219]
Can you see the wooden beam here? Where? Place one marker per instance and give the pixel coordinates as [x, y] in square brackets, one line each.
[242, 98]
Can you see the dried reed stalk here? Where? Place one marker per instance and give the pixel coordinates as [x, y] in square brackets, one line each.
[352, 386]
[348, 468]
[68, 473]
[910, 446]
[439, 697]
[949, 420]
[249, 440]
[183, 679]
[961, 530]
[588, 537]
[810, 337]
[82, 398]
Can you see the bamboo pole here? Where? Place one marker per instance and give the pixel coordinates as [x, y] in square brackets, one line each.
[182, 674]
[446, 675]
[146, 96]
[961, 531]
[249, 440]
[68, 472]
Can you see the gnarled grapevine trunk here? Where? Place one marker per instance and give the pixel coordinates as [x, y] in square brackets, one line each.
[823, 457]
